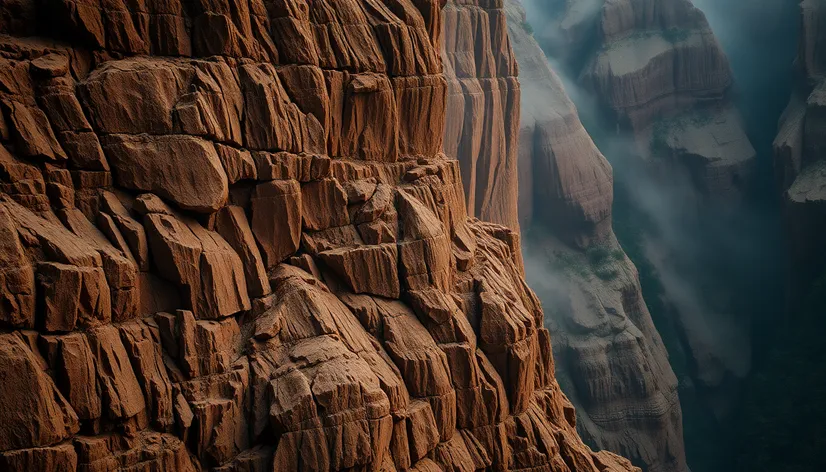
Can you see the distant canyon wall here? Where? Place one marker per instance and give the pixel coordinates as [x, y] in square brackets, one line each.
[661, 97]
[658, 71]
[800, 168]
[611, 356]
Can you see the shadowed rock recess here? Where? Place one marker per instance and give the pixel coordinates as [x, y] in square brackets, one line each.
[230, 241]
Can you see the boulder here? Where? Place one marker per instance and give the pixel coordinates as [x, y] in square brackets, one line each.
[367, 269]
[276, 219]
[231, 223]
[48, 418]
[156, 164]
[324, 204]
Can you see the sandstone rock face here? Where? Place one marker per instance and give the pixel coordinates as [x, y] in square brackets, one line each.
[230, 241]
[610, 357]
[798, 149]
[482, 119]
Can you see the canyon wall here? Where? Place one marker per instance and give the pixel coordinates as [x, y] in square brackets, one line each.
[799, 166]
[609, 354]
[658, 88]
[231, 241]
[658, 71]
[482, 119]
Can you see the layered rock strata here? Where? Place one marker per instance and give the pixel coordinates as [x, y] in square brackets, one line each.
[482, 117]
[659, 71]
[610, 357]
[663, 103]
[231, 241]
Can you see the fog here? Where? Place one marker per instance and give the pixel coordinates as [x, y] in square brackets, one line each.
[715, 267]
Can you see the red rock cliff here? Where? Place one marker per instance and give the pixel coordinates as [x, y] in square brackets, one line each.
[231, 241]
[482, 122]
[608, 351]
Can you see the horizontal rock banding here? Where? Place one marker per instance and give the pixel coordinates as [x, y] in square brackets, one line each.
[215, 221]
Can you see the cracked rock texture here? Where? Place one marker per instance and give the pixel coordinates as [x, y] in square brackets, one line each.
[482, 116]
[230, 241]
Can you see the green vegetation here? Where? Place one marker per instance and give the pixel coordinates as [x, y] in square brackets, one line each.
[572, 264]
[598, 255]
[665, 127]
[676, 35]
[602, 261]
[527, 27]
[598, 260]
[606, 273]
[636, 35]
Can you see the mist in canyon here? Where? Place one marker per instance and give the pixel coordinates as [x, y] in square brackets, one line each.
[711, 266]
[340, 285]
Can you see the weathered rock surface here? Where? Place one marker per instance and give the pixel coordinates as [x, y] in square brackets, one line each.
[798, 163]
[560, 168]
[482, 119]
[662, 85]
[658, 71]
[610, 355]
[231, 241]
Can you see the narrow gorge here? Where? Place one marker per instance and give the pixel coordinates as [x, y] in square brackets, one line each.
[684, 100]
[412, 235]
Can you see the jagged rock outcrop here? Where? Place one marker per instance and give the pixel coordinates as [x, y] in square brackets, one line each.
[231, 241]
[610, 357]
[800, 170]
[482, 120]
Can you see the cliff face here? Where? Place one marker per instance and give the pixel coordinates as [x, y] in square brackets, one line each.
[659, 71]
[661, 84]
[799, 147]
[563, 178]
[613, 362]
[653, 57]
[231, 241]
[481, 126]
